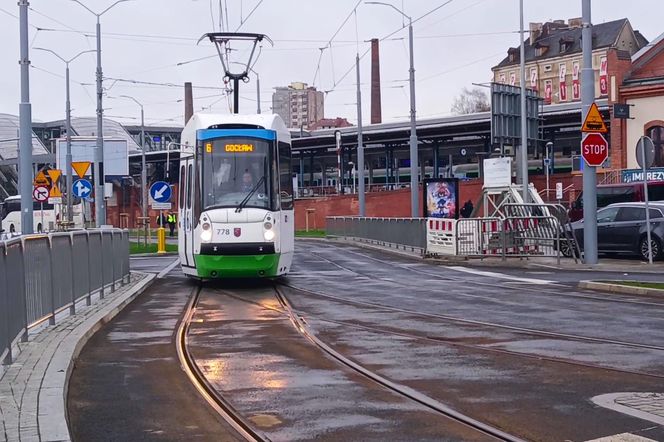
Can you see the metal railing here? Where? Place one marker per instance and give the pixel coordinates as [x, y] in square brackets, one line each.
[399, 233]
[43, 275]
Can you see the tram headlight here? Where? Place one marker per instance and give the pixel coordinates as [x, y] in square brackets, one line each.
[206, 232]
[269, 235]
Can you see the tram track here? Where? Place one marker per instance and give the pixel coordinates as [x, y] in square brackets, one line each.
[521, 288]
[401, 390]
[246, 430]
[198, 379]
[455, 319]
[455, 343]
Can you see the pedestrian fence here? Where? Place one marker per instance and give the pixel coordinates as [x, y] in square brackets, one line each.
[398, 233]
[521, 230]
[43, 275]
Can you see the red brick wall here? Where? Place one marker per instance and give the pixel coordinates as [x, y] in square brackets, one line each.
[396, 204]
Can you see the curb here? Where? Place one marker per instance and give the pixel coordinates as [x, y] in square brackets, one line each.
[52, 408]
[148, 255]
[619, 288]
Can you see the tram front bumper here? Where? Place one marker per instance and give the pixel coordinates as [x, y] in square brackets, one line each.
[237, 266]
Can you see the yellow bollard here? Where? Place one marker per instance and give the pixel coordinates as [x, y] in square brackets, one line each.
[161, 240]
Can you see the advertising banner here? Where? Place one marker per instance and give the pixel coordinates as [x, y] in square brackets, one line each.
[603, 77]
[441, 198]
[548, 91]
[533, 78]
[562, 77]
[576, 84]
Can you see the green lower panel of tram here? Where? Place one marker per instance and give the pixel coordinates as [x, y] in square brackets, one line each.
[237, 266]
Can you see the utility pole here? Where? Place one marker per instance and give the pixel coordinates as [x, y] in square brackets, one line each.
[360, 144]
[524, 112]
[100, 202]
[589, 172]
[68, 157]
[25, 126]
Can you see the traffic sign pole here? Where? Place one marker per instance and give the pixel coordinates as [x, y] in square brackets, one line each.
[589, 172]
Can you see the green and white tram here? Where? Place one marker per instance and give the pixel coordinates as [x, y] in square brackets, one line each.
[236, 197]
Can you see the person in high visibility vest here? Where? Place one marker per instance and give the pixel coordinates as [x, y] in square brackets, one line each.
[171, 220]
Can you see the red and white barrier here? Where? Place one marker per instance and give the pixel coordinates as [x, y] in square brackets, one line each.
[441, 236]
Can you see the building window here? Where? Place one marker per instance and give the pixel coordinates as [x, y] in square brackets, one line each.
[657, 135]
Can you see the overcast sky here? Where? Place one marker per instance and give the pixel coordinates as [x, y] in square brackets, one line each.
[144, 40]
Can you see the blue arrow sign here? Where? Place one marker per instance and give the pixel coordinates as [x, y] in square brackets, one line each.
[82, 188]
[160, 192]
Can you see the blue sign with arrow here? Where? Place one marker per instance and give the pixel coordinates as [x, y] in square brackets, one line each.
[160, 192]
[82, 188]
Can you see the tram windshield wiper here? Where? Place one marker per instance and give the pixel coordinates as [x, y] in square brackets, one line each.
[249, 195]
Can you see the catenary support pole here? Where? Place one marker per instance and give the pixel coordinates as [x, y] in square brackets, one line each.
[360, 144]
[258, 94]
[100, 202]
[524, 113]
[589, 172]
[68, 158]
[414, 190]
[25, 126]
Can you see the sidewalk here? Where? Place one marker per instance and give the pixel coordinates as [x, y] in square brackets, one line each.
[33, 389]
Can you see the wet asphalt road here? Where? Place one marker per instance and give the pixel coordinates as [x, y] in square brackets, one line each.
[396, 316]
[250, 351]
[538, 387]
[128, 384]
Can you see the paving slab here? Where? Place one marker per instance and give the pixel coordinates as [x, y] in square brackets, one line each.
[33, 388]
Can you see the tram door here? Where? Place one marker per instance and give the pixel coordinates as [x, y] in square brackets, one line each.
[188, 220]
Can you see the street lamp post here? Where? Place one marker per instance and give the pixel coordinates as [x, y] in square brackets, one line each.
[414, 194]
[100, 205]
[68, 158]
[144, 173]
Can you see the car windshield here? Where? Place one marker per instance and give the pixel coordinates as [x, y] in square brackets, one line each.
[233, 167]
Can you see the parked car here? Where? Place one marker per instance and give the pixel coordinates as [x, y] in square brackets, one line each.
[618, 193]
[621, 230]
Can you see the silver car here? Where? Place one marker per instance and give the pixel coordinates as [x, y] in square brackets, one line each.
[621, 230]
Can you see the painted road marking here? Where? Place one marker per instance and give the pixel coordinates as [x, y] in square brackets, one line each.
[623, 437]
[499, 275]
[648, 406]
[168, 269]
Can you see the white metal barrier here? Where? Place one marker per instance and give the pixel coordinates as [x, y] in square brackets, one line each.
[441, 236]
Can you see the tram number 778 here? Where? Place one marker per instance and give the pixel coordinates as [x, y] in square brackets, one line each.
[223, 232]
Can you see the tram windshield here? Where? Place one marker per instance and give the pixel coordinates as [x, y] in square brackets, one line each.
[233, 167]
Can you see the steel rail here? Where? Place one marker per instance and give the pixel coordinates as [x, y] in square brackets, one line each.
[449, 318]
[200, 382]
[402, 390]
[486, 284]
[455, 343]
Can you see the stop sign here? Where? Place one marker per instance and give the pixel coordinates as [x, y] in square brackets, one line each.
[594, 149]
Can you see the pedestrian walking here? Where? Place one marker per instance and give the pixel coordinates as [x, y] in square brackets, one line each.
[172, 220]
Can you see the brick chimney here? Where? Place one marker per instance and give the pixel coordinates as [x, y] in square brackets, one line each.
[376, 116]
[188, 102]
[535, 32]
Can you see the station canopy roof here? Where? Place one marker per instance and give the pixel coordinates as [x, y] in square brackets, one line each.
[9, 126]
[87, 127]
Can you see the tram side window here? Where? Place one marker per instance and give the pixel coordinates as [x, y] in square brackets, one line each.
[285, 177]
[182, 186]
[189, 186]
